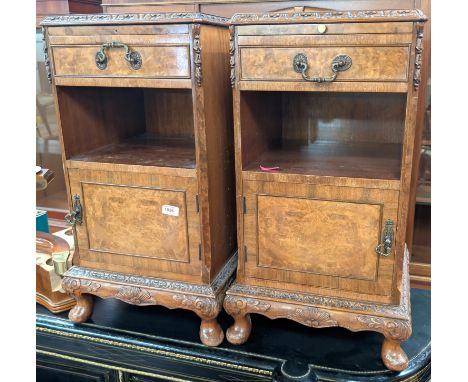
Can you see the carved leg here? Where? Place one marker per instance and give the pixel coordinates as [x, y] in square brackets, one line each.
[211, 333]
[239, 332]
[207, 308]
[84, 301]
[83, 308]
[237, 307]
[393, 355]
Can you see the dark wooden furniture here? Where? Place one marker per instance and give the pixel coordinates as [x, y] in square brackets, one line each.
[144, 105]
[126, 343]
[324, 109]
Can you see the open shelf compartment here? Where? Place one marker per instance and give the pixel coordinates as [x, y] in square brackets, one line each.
[131, 126]
[354, 135]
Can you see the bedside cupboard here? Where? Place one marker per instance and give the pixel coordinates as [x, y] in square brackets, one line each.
[324, 108]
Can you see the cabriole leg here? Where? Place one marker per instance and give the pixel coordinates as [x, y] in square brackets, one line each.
[393, 355]
[83, 308]
[211, 333]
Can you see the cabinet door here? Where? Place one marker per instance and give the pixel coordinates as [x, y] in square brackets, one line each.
[321, 236]
[144, 224]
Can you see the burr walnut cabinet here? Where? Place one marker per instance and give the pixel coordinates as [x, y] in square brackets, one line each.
[145, 112]
[324, 120]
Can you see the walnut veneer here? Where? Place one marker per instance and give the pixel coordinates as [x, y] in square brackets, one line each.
[323, 166]
[146, 133]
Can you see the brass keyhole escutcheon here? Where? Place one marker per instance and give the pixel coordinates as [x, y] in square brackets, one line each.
[322, 28]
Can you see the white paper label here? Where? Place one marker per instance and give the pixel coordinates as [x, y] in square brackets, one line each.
[170, 210]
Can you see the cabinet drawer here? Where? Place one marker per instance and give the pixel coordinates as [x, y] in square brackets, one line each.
[137, 224]
[156, 61]
[97, 54]
[369, 63]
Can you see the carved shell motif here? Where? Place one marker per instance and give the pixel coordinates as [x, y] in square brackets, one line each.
[313, 317]
[204, 305]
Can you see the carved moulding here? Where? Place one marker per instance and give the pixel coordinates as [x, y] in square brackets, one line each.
[402, 310]
[204, 300]
[329, 16]
[46, 56]
[197, 54]
[134, 18]
[418, 57]
[232, 58]
[399, 329]
[393, 321]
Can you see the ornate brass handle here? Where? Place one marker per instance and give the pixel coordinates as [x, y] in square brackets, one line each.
[132, 57]
[385, 248]
[340, 63]
[75, 215]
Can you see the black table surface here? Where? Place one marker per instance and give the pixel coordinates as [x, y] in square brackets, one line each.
[167, 340]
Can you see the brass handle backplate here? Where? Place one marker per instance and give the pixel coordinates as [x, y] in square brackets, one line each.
[340, 63]
[75, 215]
[132, 57]
[385, 248]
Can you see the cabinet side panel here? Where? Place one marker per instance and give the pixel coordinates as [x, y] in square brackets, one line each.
[219, 143]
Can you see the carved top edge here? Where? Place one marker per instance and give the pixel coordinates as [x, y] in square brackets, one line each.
[135, 18]
[360, 16]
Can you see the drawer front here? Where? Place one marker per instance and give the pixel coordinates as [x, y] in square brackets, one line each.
[321, 236]
[369, 63]
[141, 227]
[156, 61]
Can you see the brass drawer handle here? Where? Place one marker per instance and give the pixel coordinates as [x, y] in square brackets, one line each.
[340, 63]
[75, 215]
[385, 248]
[132, 57]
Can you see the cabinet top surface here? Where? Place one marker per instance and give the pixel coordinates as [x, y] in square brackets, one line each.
[360, 16]
[134, 18]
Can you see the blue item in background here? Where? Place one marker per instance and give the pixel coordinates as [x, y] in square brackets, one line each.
[42, 221]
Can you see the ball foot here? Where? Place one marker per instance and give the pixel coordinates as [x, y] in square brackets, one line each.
[393, 355]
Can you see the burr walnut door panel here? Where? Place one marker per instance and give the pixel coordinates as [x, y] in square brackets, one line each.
[137, 223]
[321, 236]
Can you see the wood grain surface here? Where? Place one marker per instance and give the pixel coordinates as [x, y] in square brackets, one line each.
[369, 63]
[300, 234]
[113, 212]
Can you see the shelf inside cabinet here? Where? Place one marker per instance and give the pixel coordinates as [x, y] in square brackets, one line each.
[328, 158]
[145, 150]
